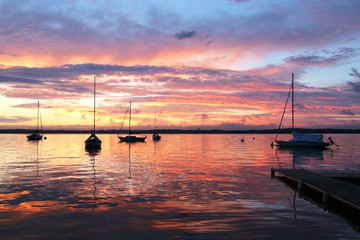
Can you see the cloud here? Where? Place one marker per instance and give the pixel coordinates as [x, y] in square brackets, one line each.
[12, 79]
[300, 106]
[354, 73]
[354, 86]
[161, 83]
[60, 36]
[193, 95]
[203, 116]
[128, 37]
[14, 119]
[184, 34]
[317, 60]
[310, 60]
[26, 105]
[347, 112]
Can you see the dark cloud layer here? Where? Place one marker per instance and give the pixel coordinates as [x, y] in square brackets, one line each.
[354, 86]
[185, 34]
[12, 79]
[329, 59]
[355, 73]
[217, 84]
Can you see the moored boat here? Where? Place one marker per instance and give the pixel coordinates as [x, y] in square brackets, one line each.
[36, 135]
[156, 136]
[131, 138]
[299, 140]
[304, 141]
[93, 141]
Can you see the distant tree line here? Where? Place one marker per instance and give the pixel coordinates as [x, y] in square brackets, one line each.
[195, 131]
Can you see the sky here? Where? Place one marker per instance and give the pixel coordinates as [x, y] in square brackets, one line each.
[208, 64]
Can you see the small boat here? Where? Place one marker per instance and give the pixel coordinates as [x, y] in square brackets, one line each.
[156, 136]
[130, 138]
[299, 140]
[36, 135]
[93, 141]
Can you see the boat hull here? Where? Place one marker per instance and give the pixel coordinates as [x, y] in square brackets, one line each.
[157, 138]
[301, 144]
[93, 141]
[132, 139]
[34, 137]
[93, 144]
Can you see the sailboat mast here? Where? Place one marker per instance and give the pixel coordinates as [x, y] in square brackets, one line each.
[94, 101]
[130, 119]
[292, 101]
[155, 122]
[38, 118]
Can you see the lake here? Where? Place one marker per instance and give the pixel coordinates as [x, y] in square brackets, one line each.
[185, 186]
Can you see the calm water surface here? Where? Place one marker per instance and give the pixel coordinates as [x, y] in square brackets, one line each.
[182, 187]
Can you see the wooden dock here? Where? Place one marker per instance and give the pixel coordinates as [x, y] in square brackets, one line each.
[331, 190]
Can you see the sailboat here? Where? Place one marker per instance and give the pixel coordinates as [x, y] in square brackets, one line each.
[36, 135]
[156, 136]
[93, 141]
[130, 138]
[299, 139]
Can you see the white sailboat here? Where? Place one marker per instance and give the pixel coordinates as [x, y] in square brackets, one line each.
[93, 141]
[130, 138]
[299, 139]
[155, 136]
[36, 135]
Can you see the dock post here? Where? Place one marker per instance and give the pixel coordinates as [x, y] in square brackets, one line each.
[300, 187]
[272, 173]
[325, 199]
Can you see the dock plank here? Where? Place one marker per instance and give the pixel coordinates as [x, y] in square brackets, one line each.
[338, 173]
[342, 190]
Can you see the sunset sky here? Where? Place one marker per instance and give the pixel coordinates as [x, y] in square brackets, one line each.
[208, 64]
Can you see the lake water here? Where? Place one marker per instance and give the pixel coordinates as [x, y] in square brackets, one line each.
[186, 186]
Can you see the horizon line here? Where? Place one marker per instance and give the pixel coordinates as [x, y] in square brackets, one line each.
[140, 131]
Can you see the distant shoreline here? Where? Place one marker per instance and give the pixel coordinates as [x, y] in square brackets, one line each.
[197, 131]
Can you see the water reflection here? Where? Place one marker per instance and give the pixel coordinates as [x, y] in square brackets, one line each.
[185, 186]
[92, 154]
[37, 159]
[301, 157]
[92, 151]
[130, 158]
